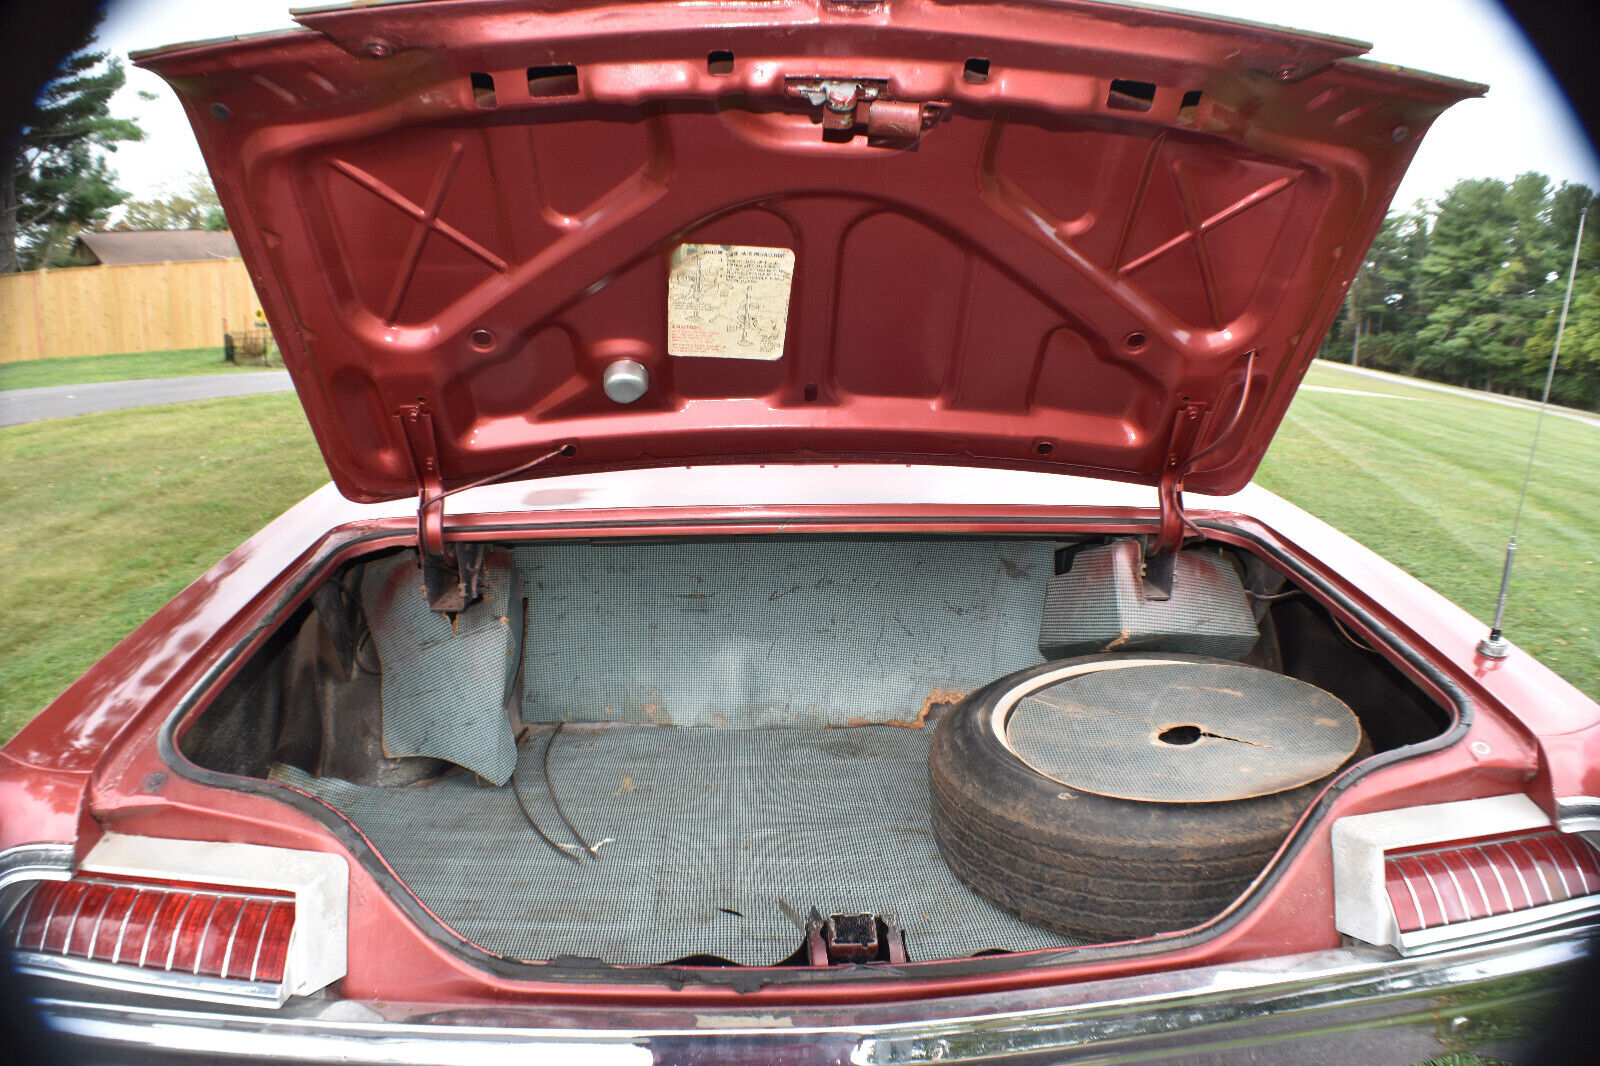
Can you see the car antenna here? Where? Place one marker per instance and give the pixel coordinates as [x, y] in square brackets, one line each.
[1495, 645]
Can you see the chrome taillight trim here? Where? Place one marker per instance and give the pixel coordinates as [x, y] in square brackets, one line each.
[317, 881]
[1578, 814]
[25, 864]
[127, 978]
[1480, 930]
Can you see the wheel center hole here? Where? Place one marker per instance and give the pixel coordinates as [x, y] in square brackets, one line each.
[1180, 734]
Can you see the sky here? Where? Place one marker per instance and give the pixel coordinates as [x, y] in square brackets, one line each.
[1522, 124]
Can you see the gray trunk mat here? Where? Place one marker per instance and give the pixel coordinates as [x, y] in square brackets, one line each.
[704, 822]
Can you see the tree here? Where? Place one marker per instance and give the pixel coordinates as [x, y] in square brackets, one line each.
[1520, 289]
[1468, 290]
[1379, 302]
[192, 206]
[55, 180]
[1577, 379]
[1458, 282]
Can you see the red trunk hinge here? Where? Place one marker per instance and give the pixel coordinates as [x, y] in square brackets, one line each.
[1161, 552]
[451, 574]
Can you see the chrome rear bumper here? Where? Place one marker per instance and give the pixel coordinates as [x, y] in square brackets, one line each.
[1354, 1004]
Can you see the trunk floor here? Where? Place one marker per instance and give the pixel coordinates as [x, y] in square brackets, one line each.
[710, 829]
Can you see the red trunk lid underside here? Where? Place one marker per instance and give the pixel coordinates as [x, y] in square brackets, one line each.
[1024, 234]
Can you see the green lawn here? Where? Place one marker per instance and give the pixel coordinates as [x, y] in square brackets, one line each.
[1430, 480]
[107, 516]
[83, 369]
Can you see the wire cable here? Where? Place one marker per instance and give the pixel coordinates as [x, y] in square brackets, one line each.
[592, 849]
[516, 790]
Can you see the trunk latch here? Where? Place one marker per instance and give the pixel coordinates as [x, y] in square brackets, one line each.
[840, 939]
[852, 105]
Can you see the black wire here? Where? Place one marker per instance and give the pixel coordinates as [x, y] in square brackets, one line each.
[1268, 597]
[1363, 645]
[548, 744]
[364, 632]
[365, 640]
[1238, 413]
[516, 790]
[501, 476]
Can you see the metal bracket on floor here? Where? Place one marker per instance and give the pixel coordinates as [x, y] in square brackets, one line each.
[841, 939]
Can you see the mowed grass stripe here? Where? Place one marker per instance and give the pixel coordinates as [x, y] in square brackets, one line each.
[1433, 485]
[1446, 450]
[108, 516]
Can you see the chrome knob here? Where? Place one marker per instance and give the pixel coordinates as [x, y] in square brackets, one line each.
[626, 380]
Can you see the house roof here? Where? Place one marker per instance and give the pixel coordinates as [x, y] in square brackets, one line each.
[123, 248]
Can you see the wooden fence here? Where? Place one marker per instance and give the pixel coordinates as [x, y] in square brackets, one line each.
[102, 309]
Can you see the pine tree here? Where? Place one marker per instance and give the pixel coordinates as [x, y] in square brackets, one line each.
[1380, 303]
[55, 180]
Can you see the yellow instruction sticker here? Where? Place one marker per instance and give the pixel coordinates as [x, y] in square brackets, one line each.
[728, 301]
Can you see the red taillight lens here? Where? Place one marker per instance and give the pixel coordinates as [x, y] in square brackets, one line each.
[1467, 880]
[238, 934]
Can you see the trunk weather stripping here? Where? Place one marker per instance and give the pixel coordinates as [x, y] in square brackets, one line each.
[589, 972]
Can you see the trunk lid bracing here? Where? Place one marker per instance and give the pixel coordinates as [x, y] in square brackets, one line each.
[1062, 236]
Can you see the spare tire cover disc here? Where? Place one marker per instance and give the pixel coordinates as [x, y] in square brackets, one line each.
[1166, 731]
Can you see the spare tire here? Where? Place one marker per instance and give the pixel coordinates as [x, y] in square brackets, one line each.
[1046, 842]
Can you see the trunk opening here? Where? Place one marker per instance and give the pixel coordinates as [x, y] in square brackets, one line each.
[724, 740]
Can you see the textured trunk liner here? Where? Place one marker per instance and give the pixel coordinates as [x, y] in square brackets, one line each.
[704, 822]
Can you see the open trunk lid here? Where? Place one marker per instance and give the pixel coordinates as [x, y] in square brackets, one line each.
[1076, 236]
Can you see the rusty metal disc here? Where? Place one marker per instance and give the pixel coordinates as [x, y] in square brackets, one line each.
[1175, 731]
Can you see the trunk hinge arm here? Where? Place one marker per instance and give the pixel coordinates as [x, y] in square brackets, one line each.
[452, 574]
[1161, 551]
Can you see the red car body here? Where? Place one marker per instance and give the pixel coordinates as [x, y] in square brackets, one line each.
[1156, 344]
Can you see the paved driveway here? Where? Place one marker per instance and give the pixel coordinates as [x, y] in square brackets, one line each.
[62, 401]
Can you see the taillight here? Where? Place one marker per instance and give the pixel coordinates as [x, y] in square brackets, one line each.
[1465, 881]
[237, 935]
[1425, 878]
[230, 922]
